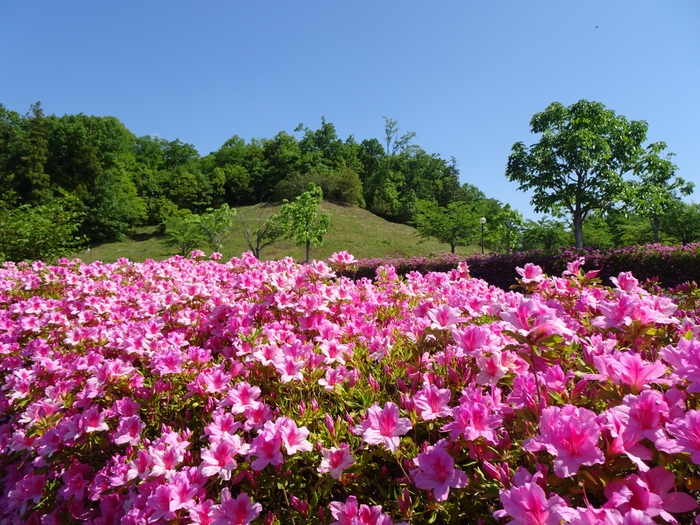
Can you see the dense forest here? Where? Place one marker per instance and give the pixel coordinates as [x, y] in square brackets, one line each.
[77, 179]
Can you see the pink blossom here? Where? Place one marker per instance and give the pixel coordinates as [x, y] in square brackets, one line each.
[570, 434]
[219, 457]
[530, 273]
[527, 504]
[239, 511]
[129, 431]
[444, 317]
[433, 402]
[266, 450]
[436, 471]
[383, 426]
[293, 437]
[336, 460]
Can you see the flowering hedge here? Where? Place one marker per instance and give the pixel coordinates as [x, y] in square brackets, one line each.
[669, 265]
[194, 391]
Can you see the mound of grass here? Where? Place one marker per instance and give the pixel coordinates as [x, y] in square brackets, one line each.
[352, 229]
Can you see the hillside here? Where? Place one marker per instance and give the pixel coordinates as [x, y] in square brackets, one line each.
[352, 229]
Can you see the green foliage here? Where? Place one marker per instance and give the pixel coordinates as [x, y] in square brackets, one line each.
[217, 225]
[682, 222]
[43, 232]
[302, 221]
[546, 234]
[183, 232]
[658, 189]
[456, 225]
[578, 164]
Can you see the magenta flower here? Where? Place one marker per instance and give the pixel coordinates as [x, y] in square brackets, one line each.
[433, 402]
[531, 273]
[349, 513]
[444, 317]
[570, 434]
[383, 426]
[219, 457]
[436, 471]
[336, 460]
[527, 504]
[239, 511]
[266, 449]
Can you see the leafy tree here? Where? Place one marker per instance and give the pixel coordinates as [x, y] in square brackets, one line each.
[36, 155]
[394, 143]
[546, 234]
[657, 190]
[302, 221]
[578, 164]
[217, 225]
[44, 232]
[268, 231]
[507, 226]
[683, 222]
[184, 232]
[455, 224]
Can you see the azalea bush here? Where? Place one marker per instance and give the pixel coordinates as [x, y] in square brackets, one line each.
[669, 265]
[196, 391]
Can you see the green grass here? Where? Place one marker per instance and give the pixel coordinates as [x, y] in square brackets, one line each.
[352, 229]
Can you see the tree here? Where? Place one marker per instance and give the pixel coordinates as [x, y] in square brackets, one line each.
[36, 156]
[40, 232]
[217, 225]
[269, 231]
[183, 231]
[302, 220]
[657, 190]
[579, 162]
[507, 225]
[545, 234]
[455, 224]
[683, 222]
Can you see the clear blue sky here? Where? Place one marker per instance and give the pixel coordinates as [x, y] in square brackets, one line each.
[466, 76]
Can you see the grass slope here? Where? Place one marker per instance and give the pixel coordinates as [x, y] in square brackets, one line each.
[352, 229]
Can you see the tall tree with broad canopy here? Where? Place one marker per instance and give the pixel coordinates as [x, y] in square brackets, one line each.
[579, 163]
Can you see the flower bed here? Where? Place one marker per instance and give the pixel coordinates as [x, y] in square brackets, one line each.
[191, 391]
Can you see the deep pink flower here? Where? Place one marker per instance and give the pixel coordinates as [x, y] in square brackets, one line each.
[239, 511]
[383, 426]
[531, 273]
[433, 402]
[436, 471]
[527, 504]
[570, 434]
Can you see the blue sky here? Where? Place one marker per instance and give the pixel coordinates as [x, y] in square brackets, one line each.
[466, 76]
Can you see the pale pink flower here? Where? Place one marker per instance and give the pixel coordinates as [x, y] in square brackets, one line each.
[293, 437]
[242, 397]
[383, 426]
[336, 460]
[239, 511]
[436, 471]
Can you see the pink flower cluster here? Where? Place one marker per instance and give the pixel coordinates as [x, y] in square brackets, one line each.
[196, 391]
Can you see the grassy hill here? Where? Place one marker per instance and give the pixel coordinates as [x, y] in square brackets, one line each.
[352, 229]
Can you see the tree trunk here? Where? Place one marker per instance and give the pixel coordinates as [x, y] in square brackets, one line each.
[656, 222]
[453, 247]
[578, 229]
[308, 251]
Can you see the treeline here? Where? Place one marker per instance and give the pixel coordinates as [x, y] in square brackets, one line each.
[108, 180]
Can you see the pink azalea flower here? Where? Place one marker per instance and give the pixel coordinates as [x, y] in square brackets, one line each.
[266, 449]
[531, 273]
[444, 317]
[293, 437]
[527, 504]
[239, 511]
[129, 431]
[349, 513]
[436, 471]
[686, 430]
[218, 458]
[433, 402]
[336, 460]
[383, 426]
[570, 434]
[242, 397]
